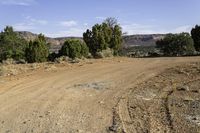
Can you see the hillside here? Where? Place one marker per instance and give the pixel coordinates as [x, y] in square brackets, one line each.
[128, 41]
[142, 40]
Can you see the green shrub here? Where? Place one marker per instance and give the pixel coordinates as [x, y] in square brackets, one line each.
[11, 45]
[53, 56]
[38, 50]
[103, 36]
[74, 49]
[196, 37]
[176, 44]
[105, 53]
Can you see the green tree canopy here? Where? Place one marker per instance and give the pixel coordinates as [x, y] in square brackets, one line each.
[74, 48]
[38, 50]
[196, 37]
[11, 45]
[103, 36]
[176, 44]
[116, 40]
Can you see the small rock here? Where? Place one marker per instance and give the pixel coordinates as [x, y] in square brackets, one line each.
[133, 107]
[195, 91]
[112, 128]
[80, 131]
[47, 113]
[101, 102]
[183, 88]
[194, 118]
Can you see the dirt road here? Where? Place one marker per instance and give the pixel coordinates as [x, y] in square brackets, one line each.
[81, 98]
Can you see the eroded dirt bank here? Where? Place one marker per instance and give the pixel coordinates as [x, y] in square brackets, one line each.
[85, 97]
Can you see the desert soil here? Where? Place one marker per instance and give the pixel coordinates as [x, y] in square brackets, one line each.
[109, 95]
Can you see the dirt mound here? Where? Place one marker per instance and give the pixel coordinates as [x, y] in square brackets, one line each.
[168, 102]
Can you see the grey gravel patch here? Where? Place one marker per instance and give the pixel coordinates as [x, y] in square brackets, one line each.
[93, 85]
[194, 119]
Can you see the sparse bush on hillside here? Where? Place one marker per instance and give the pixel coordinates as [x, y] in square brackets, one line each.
[103, 36]
[11, 45]
[38, 50]
[196, 37]
[8, 61]
[176, 44]
[74, 48]
[105, 53]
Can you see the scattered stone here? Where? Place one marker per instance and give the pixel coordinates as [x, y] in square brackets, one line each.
[113, 128]
[94, 85]
[76, 60]
[195, 91]
[133, 107]
[183, 88]
[9, 61]
[62, 59]
[80, 131]
[47, 113]
[21, 61]
[50, 68]
[57, 123]
[101, 102]
[194, 119]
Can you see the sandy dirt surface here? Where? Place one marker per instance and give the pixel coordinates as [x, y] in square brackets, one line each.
[108, 95]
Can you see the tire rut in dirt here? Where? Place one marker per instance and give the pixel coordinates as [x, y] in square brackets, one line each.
[167, 103]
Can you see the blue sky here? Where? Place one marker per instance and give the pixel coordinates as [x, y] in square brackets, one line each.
[56, 18]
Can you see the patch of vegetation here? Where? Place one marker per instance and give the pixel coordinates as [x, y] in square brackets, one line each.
[196, 37]
[37, 50]
[140, 51]
[11, 45]
[53, 56]
[74, 48]
[103, 40]
[105, 53]
[103, 36]
[176, 45]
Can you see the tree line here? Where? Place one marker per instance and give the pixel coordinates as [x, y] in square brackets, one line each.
[180, 44]
[107, 35]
